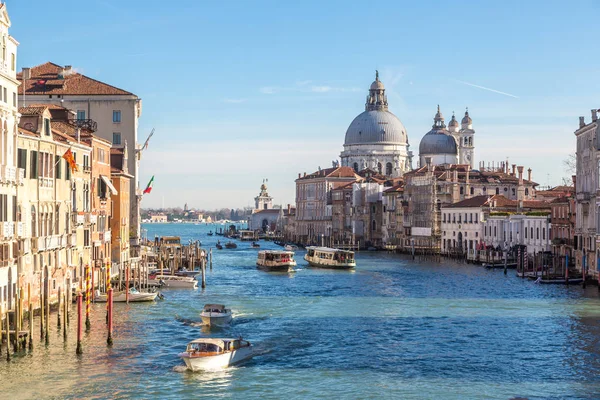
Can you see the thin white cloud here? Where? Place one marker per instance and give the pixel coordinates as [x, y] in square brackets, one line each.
[486, 88]
[303, 87]
[234, 101]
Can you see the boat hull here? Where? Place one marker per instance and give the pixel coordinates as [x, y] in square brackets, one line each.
[278, 267]
[317, 264]
[174, 284]
[216, 320]
[216, 362]
[121, 297]
[574, 281]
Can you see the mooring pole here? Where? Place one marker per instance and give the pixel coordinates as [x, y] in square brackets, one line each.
[79, 350]
[109, 340]
[30, 316]
[88, 290]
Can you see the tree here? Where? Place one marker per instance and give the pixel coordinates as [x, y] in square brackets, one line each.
[570, 165]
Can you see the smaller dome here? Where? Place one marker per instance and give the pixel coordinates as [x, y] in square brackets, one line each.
[377, 85]
[467, 120]
[453, 122]
[438, 115]
[437, 142]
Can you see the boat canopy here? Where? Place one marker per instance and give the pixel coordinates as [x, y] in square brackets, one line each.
[214, 307]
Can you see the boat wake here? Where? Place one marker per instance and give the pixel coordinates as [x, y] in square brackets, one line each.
[180, 368]
[189, 322]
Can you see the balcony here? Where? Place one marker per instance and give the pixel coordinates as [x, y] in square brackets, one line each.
[19, 229]
[105, 236]
[72, 240]
[20, 176]
[8, 229]
[80, 218]
[88, 124]
[51, 242]
[91, 218]
[46, 182]
[9, 174]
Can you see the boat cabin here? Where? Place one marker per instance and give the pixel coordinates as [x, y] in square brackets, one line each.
[214, 308]
[279, 256]
[210, 347]
[342, 256]
[247, 235]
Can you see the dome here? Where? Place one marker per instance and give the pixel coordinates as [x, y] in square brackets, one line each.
[377, 85]
[437, 142]
[376, 126]
[467, 120]
[453, 122]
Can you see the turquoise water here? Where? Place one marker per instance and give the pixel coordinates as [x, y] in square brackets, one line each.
[393, 328]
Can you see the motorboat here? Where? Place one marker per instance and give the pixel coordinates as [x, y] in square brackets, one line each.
[121, 296]
[216, 315]
[185, 272]
[173, 281]
[219, 246]
[275, 260]
[326, 257]
[230, 245]
[209, 354]
[290, 247]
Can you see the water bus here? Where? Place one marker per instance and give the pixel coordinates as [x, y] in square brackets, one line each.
[275, 260]
[326, 257]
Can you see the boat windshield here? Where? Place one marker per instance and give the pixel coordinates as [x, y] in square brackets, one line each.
[204, 348]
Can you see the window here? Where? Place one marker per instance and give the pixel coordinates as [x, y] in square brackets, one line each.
[14, 99]
[462, 190]
[472, 190]
[544, 233]
[116, 138]
[537, 233]
[379, 168]
[57, 167]
[46, 126]
[101, 188]
[86, 162]
[100, 155]
[5, 93]
[388, 168]
[67, 171]
[22, 159]
[80, 114]
[497, 190]
[13, 62]
[86, 238]
[531, 233]
[355, 167]
[34, 165]
[116, 116]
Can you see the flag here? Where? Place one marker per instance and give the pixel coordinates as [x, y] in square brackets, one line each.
[149, 187]
[71, 160]
[145, 146]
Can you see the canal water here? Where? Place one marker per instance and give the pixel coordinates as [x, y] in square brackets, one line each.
[391, 329]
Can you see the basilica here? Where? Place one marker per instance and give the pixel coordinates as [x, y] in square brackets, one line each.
[377, 140]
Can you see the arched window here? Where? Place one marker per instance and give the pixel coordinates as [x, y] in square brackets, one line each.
[466, 141]
[33, 222]
[355, 167]
[484, 189]
[513, 191]
[472, 190]
[379, 167]
[531, 233]
[388, 168]
[497, 190]
[470, 141]
[462, 190]
[537, 233]
[526, 191]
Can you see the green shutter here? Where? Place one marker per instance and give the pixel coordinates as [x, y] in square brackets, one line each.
[57, 166]
[67, 171]
[34, 165]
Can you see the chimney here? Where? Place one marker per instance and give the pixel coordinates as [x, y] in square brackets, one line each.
[78, 135]
[581, 122]
[68, 68]
[305, 175]
[289, 208]
[513, 173]
[299, 175]
[520, 169]
[529, 174]
[594, 115]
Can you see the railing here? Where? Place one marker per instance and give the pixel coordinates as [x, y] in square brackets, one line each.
[46, 182]
[89, 124]
[19, 229]
[51, 242]
[20, 176]
[91, 218]
[105, 236]
[8, 229]
[583, 196]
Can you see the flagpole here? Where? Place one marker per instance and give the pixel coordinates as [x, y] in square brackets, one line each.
[54, 166]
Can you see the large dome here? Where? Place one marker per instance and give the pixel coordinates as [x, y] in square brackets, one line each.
[437, 142]
[376, 127]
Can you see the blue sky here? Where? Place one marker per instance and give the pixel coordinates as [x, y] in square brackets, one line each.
[241, 91]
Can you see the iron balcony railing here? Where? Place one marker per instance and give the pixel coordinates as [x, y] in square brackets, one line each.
[88, 124]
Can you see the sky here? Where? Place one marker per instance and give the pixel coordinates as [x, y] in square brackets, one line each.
[242, 91]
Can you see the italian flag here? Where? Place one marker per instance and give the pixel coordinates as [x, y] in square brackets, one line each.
[149, 187]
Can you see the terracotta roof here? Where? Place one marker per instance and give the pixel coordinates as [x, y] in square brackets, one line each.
[45, 80]
[26, 132]
[395, 189]
[476, 201]
[270, 211]
[334, 172]
[33, 109]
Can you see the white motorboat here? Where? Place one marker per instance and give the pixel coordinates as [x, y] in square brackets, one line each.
[216, 315]
[173, 281]
[290, 247]
[275, 260]
[207, 354]
[121, 297]
[326, 257]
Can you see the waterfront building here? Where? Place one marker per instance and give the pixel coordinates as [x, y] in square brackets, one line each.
[53, 202]
[510, 223]
[10, 176]
[314, 203]
[114, 113]
[392, 229]
[431, 187]
[162, 218]
[376, 138]
[587, 183]
[119, 223]
[563, 227]
[264, 217]
[461, 225]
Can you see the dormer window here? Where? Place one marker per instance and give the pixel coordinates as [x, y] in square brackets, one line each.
[46, 126]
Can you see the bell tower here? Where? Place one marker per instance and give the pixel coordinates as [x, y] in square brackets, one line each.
[466, 141]
[263, 201]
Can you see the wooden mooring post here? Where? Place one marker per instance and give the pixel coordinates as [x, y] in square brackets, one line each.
[79, 349]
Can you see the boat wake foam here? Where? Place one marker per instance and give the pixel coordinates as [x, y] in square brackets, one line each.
[189, 322]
